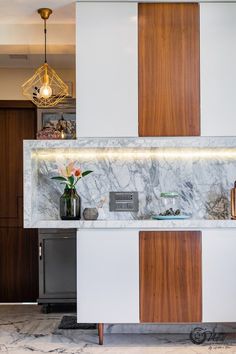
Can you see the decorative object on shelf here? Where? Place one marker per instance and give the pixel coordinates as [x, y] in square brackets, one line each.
[70, 205]
[45, 88]
[90, 214]
[70, 201]
[233, 202]
[103, 209]
[171, 217]
[169, 204]
[48, 133]
[61, 128]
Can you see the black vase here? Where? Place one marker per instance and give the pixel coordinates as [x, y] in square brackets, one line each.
[70, 205]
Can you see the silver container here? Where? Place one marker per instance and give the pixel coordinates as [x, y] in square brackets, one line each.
[90, 214]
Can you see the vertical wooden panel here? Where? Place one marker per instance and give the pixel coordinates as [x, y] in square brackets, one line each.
[169, 70]
[18, 264]
[18, 247]
[170, 277]
[16, 124]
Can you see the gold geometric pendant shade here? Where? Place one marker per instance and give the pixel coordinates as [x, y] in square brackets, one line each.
[45, 88]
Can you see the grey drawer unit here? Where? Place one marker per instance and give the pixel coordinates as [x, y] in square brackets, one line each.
[57, 266]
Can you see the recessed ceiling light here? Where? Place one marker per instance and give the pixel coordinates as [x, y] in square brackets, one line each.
[18, 56]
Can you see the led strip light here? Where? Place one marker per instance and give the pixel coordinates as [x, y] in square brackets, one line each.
[134, 153]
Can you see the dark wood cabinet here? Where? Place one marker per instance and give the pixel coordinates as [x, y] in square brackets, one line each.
[170, 276]
[57, 266]
[169, 69]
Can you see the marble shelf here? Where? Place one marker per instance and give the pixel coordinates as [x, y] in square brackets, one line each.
[201, 169]
[191, 224]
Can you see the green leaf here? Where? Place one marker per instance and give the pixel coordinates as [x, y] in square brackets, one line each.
[71, 180]
[59, 178]
[85, 173]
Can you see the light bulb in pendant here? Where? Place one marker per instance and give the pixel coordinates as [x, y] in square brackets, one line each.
[45, 91]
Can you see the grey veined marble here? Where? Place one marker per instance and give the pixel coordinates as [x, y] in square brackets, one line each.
[23, 330]
[202, 170]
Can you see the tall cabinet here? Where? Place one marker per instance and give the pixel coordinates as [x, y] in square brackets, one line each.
[156, 69]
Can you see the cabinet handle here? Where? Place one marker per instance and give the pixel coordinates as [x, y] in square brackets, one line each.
[40, 251]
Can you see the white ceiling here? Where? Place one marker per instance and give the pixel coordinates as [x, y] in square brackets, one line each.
[25, 11]
[15, 13]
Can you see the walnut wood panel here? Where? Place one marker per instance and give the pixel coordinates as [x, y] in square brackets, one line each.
[18, 265]
[170, 277]
[16, 124]
[169, 70]
[18, 247]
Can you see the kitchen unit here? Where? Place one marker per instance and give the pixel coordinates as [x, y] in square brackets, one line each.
[172, 263]
[131, 268]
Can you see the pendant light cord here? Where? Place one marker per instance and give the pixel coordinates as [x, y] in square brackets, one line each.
[45, 42]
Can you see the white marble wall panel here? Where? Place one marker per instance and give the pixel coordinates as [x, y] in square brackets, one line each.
[203, 183]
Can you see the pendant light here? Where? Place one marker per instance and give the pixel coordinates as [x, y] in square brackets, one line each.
[45, 88]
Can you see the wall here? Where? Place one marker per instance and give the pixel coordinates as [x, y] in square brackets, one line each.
[218, 74]
[203, 192]
[12, 79]
[32, 34]
[107, 72]
[107, 80]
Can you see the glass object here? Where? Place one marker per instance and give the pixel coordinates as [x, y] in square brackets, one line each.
[45, 91]
[169, 204]
[70, 205]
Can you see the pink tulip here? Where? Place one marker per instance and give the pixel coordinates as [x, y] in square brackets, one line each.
[70, 168]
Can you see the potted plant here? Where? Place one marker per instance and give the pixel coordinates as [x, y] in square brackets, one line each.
[70, 201]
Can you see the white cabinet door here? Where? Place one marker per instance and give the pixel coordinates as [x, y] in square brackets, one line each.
[108, 276]
[107, 69]
[218, 69]
[219, 281]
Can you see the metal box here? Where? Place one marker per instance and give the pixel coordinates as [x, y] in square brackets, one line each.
[123, 201]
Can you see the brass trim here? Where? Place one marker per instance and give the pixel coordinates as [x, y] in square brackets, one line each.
[44, 12]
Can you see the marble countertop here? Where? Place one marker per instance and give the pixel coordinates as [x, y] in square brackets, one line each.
[190, 224]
